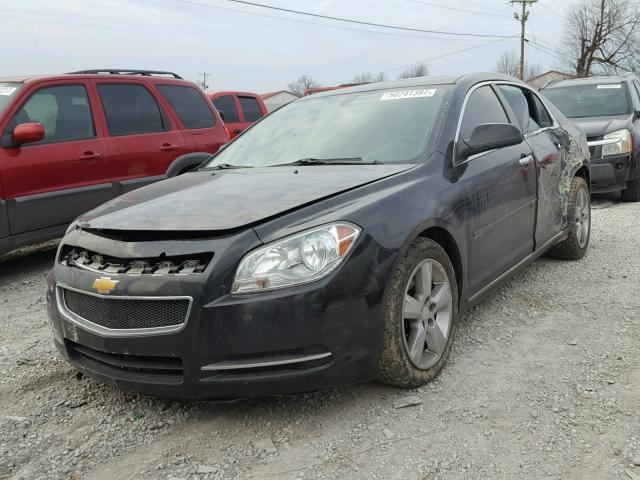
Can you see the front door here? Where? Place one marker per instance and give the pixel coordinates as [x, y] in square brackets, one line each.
[51, 182]
[227, 105]
[501, 196]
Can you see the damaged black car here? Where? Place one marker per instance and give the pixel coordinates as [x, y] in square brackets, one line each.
[336, 241]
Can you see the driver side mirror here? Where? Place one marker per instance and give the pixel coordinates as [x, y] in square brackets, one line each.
[489, 136]
[27, 133]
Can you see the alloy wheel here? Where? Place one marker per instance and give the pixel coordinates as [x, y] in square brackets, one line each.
[582, 217]
[426, 314]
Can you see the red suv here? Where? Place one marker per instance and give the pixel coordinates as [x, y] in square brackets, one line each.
[71, 142]
[239, 110]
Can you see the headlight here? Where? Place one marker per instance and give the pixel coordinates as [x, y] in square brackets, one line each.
[622, 144]
[301, 258]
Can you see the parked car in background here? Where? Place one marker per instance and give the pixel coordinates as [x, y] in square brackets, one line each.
[342, 250]
[239, 110]
[71, 142]
[608, 110]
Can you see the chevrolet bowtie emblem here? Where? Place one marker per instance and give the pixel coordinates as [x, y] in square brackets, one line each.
[104, 285]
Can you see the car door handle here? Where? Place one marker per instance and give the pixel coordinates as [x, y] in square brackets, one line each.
[525, 160]
[167, 147]
[90, 156]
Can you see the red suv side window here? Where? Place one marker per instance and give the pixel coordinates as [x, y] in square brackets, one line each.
[189, 105]
[250, 108]
[131, 109]
[63, 110]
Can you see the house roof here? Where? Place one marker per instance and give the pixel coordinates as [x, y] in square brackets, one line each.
[557, 72]
[271, 94]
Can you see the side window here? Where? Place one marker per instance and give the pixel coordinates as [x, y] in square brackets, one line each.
[637, 87]
[63, 111]
[131, 109]
[483, 106]
[544, 118]
[189, 105]
[250, 108]
[523, 107]
[227, 106]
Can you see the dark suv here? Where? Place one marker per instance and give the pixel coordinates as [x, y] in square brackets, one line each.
[71, 142]
[608, 110]
[337, 240]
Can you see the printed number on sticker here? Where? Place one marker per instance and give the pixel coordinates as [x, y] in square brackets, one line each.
[398, 94]
[613, 85]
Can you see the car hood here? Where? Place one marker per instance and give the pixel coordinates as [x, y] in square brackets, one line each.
[600, 126]
[229, 199]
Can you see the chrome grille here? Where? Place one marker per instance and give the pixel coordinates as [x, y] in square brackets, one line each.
[122, 313]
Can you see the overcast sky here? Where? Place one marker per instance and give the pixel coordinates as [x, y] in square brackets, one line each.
[264, 50]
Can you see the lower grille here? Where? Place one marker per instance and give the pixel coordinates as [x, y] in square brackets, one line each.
[122, 313]
[169, 368]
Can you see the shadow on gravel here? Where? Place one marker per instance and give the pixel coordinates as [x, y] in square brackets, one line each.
[27, 261]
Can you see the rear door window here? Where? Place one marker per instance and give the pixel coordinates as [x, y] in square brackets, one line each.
[131, 109]
[188, 103]
[64, 112]
[226, 105]
[250, 108]
[483, 106]
[523, 106]
[544, 118]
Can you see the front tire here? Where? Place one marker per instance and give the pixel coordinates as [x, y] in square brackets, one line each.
[420, 316]
[579, 232]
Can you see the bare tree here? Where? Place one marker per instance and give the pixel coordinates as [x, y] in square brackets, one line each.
[509, 64]
[419, 70]
[603, 36]
[369, 78]
[301, 84]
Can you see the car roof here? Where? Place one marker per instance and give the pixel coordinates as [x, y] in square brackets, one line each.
[466, 79]
[589, 81]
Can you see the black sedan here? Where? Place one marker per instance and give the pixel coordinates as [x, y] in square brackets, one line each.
[336, 241]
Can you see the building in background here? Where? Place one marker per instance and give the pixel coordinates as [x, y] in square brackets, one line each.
[541, 80]
[273, 100]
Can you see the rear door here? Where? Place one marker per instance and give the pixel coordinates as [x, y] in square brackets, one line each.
[501, 195]
[545, 138]
[228, 106]
[203, 131]
[142, 139]
[50, 182]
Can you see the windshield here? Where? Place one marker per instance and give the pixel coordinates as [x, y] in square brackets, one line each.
[384, 126]
[601, 100]
[8, 90]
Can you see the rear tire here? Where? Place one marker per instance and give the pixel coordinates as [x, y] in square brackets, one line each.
[632, 192]
[579, 232]
[420, 316]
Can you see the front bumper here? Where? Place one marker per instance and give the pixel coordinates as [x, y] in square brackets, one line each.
[611, 173]
[306, 338]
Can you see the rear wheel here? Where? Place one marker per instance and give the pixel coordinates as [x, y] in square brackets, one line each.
[420, 316]
[579, 232]
[632, 192]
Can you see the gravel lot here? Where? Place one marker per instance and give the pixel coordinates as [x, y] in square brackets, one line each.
[544, 382]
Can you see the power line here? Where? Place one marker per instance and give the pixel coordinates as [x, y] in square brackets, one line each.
[448, 54]
[361, 22]
[457, 9]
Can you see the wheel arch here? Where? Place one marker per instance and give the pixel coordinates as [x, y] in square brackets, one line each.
[446, 240]
[584, 172]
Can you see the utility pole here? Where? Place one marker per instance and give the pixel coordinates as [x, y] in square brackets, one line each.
[522, 18]
[204, 80]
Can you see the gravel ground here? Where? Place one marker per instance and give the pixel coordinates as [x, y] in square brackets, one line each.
[544, 382]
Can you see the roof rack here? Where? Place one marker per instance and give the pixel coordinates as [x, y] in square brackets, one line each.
[125, 71]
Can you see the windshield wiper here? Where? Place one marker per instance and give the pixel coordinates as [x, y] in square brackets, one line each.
[225, 166]
[327, 161]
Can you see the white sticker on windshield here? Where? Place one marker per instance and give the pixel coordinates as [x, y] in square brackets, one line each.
[613, 85]
[398, 94]
[5, 91]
